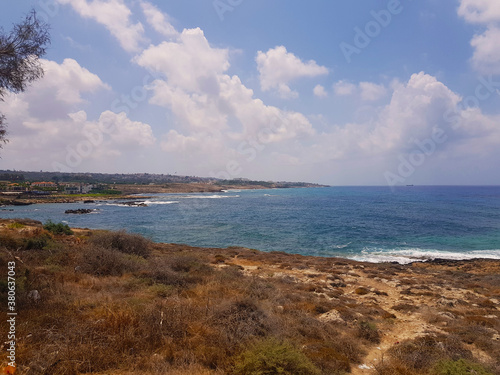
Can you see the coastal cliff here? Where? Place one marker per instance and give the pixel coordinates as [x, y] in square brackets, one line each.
[115, 303]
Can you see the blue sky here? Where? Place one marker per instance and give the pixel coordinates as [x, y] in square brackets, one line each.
[264, 90]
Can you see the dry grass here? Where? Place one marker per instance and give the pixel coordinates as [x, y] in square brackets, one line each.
[123, 242]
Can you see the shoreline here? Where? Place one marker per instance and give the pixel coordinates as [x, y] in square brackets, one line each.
[410, 262]
[131, 192]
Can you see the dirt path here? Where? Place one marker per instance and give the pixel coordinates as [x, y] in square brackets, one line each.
[405, 326]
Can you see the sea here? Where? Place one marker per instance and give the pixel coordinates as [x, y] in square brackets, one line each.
[374, 224]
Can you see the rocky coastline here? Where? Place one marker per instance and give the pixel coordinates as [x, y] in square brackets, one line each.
[344, 316]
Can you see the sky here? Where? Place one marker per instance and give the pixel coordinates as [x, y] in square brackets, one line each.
[373, 92]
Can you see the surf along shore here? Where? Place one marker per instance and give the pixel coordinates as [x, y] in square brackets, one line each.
[91, 301]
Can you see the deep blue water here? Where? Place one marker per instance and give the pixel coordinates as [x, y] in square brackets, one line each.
[369, 223]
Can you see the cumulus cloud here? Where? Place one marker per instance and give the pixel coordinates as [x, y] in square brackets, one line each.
[418, 109]
[278, 67]
[68, 81]
[320, 91]
[480, 11]
[190, 63]
[367, 91]
[371, 91]
[215, 112]
[125, 132]
[344, 88]
[486, 57]
[159, 21]
[47, 126]
[115, 16]
[61, 90]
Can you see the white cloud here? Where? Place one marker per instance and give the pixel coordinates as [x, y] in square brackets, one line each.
[277, 68]
[416, 111]
[60, 91]
[320, 91]
[214, 110]
[371, 91]
[190, 63]
[343, 88]
[486, 57]
[480, 11]
[68, 80]
[159, 21]
[115, 16]
[47, 124]
[125, 132]
[367, 91]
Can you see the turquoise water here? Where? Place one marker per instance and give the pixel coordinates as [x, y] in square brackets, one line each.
[364, 223]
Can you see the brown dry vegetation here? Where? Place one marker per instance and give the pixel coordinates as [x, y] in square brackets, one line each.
[115, 303]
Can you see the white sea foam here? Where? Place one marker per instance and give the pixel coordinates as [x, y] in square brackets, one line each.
[405, 256]
[150, 203]
[208, 196]
[121, 205]
[341, 246]
[231, 191]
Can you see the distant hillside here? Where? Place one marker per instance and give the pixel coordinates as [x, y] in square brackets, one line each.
[137, 178]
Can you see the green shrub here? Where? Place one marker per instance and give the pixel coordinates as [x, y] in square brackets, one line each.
[37, 243]
[460, 367]
[270, 356]
[57, 228]
[123, 242]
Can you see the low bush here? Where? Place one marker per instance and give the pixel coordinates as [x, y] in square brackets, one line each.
[177, 270]
[272, 356]
[328, 357]
[123, 242]
[368, 331]
[99, 261]
[460, 367]
[36, 243]
[405, 307]
[10, 242]
[16, 225]
[424, 352]
[14, 243]
[57, 228]
[241, 319]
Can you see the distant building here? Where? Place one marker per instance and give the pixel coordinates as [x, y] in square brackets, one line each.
[16, 187]
[77, 188]
[45, 185]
